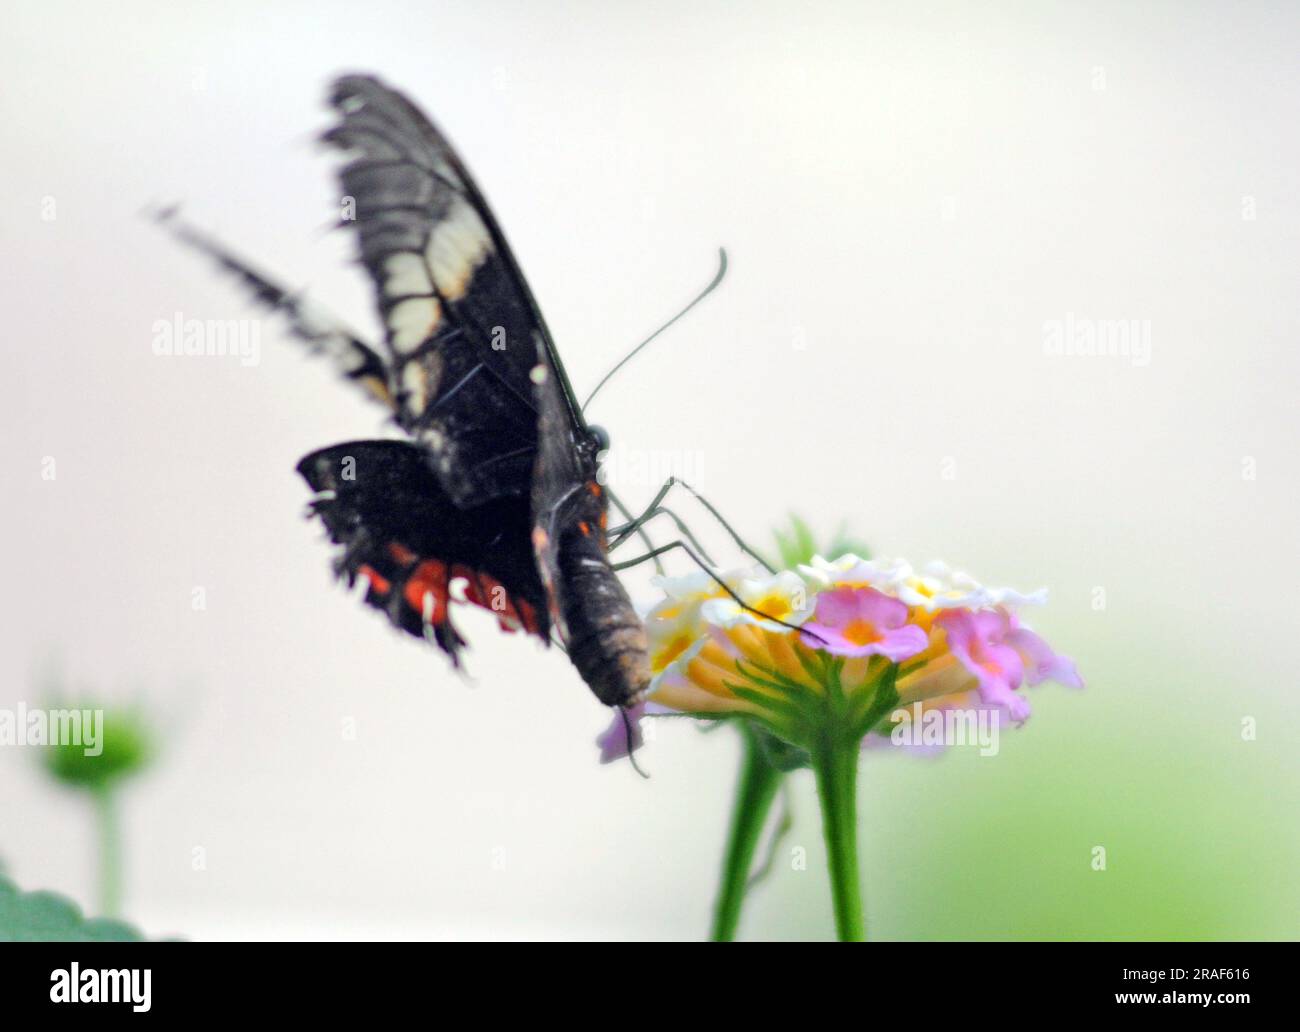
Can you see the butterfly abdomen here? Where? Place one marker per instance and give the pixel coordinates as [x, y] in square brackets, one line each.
[607, 640]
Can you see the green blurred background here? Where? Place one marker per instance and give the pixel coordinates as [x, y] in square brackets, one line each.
[1198, 826]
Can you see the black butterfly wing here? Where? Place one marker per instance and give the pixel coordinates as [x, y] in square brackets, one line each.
[564, 490]
[460, 322]
[306, 320]
[411, 543]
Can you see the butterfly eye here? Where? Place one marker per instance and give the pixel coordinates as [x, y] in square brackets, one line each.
[599, 437]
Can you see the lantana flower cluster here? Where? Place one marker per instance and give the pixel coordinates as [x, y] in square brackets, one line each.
[875, 633]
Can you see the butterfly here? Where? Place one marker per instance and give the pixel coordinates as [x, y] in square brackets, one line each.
[493, 498]
[497, 489]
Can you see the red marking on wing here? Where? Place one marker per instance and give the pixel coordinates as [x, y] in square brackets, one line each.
[497, 598]
[432, 577]
[402, 555]
[470, 577]
[429, 579]
[379, 584]
[528, 615]
[487, 592]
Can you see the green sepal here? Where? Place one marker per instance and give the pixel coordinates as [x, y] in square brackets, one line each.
[126, 748]
[783, 755]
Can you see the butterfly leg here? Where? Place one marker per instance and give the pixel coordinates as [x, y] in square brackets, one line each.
[628, 563]
[307, 321]
[626, 513]
[620, 533]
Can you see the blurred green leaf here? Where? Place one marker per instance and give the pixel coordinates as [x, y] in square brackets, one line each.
[844, 542]
[49, 917]
[796, 545]
[799, 544]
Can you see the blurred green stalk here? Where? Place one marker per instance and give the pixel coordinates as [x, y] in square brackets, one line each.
[835, 764]
[110, 850]
[755, 790]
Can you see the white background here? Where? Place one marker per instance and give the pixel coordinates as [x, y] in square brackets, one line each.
[907, 193]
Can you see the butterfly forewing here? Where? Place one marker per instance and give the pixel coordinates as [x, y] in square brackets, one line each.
[459, 321]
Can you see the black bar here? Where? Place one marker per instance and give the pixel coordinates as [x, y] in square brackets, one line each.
[212, 980]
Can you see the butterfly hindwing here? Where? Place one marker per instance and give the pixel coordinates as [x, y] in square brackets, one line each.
[412, 545]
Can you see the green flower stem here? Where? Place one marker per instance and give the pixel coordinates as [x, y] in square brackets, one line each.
[110, 850]
[836, 766]
[755, 791]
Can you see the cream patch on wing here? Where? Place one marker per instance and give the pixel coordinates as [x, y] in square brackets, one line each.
[457, 246]
[405, 273]
[412, 321]
[415, 383]
[420, 379]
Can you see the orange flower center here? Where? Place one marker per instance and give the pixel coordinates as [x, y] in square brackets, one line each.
[861, 632]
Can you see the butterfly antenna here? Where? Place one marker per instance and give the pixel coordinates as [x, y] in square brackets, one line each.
[631, 743]
[722, 271]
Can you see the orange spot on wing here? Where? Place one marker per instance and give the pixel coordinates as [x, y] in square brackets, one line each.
[496, 599]
[429, 578]
[459, 572]
[401, 554]
[481, 589]
[379, 584]
[488, 590]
